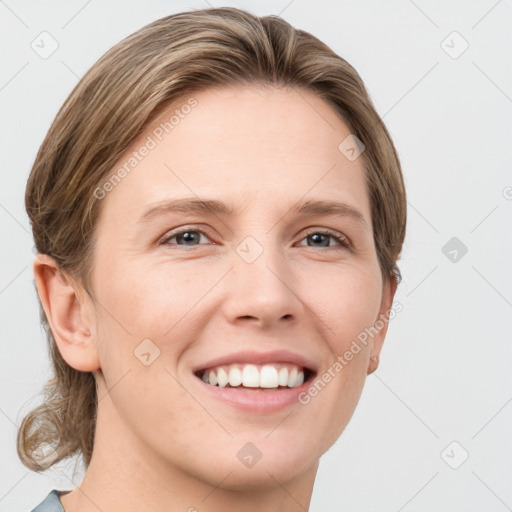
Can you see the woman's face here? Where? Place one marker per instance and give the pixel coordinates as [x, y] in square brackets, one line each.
[181, 291]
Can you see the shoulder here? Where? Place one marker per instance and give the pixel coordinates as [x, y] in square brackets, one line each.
[51, 503]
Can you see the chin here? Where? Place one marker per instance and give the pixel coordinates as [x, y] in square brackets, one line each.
[265, 462]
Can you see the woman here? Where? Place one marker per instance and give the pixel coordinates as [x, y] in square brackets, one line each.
[218, 211]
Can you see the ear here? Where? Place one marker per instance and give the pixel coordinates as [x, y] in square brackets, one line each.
[69, 314]
[381, 322]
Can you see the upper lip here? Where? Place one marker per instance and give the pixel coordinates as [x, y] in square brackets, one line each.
[251, 357]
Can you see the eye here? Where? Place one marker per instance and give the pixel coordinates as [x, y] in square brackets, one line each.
[320, 238]
[189, 236]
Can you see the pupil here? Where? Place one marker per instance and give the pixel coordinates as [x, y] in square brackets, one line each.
[315, 236]
[188, 236]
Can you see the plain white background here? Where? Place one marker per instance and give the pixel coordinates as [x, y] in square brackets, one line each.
[443, 390]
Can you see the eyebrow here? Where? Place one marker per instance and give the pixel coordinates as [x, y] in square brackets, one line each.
[213, 206]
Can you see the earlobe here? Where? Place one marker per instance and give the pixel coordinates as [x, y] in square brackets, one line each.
[381, 323]
[373, 365]
[66, 314]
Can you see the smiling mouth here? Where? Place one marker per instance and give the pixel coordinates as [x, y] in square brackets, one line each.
[253, 377]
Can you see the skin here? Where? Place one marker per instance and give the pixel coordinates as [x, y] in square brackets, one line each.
[161, 444]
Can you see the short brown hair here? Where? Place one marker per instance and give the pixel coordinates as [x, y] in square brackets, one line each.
[111, 106]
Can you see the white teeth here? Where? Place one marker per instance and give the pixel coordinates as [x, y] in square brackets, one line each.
[222, 377]
[292, 377]
[212, 377]
[268, 376]
[283, 377]
[250, 376]
[235, 377]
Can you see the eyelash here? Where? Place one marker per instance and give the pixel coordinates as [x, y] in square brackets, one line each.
[341, 239]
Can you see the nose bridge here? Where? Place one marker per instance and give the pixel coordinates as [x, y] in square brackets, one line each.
[261, 284]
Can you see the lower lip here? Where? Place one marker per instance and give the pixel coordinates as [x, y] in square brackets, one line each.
[256, 400]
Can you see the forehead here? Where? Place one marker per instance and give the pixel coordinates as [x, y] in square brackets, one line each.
[272, 144]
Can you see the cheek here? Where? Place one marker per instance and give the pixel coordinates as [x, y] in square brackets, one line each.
[347, 300]
[148, 301]
[147, 310]
[348, 307]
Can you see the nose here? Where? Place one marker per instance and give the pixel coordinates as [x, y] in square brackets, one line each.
[262, 292]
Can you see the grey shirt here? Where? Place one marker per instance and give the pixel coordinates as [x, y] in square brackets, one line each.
[51, 503]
